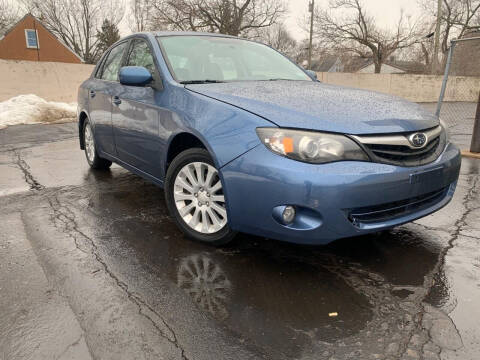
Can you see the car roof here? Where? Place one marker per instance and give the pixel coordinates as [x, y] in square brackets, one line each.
[185, 33]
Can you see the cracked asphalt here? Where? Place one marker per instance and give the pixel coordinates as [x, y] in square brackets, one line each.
[92, 267]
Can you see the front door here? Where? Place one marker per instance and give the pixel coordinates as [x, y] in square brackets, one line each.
[135, 117]
[100, 115]
[100, 104]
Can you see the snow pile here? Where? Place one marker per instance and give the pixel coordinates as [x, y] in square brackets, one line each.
[31, 109]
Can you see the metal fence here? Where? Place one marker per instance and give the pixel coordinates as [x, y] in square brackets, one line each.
[459, 102]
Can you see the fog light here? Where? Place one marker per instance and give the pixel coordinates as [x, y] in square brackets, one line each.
[288, 214]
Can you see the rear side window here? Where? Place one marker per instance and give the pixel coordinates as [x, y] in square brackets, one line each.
[98, 72]
[113, 62]
[140, 55]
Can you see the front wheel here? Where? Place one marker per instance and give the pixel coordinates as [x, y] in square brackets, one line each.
[95, 161]
[195, 197]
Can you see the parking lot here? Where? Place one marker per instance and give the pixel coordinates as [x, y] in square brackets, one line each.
[91, 266]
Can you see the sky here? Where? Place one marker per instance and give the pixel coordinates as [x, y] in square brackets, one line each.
[385, 12]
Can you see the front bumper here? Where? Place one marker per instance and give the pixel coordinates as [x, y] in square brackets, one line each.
[334, 200]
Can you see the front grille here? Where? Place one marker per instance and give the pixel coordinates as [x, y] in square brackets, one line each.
[403, 155]
[388, 211]
[396, 150]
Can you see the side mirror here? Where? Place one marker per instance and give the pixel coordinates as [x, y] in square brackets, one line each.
[135, 76]
[312, 74]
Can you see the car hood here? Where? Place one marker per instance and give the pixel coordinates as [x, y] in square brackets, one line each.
[318, 106]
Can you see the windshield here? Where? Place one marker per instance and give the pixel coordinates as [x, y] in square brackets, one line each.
[218, 59]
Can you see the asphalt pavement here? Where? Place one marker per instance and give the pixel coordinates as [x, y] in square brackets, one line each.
[92, 267]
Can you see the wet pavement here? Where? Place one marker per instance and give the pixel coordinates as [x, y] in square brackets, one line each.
[91, 266]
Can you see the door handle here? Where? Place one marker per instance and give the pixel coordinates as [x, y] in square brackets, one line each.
[92, 93]
[116, 100]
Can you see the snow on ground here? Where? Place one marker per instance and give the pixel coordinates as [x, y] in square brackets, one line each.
[31, 109]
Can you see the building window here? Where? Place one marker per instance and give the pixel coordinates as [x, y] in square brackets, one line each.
[31, 36]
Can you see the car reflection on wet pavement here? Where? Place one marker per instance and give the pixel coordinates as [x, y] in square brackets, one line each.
[274, 295]
[139, 289]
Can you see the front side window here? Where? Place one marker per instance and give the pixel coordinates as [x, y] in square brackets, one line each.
[140, 55]
[31, 38]
[198, 58]
[113, 62]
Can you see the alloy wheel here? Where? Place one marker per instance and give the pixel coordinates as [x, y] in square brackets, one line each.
[199, 198]
[89, 144]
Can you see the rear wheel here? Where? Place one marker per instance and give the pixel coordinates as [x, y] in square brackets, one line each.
[95, 161]
[195, 198]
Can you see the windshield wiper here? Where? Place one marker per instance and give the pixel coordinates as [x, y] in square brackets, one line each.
[207, 81]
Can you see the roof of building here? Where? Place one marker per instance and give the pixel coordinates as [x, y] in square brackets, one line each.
[474, 33]
[356, 63]
[394, 65]
[412, 67]
[325, 63]
[41, 23]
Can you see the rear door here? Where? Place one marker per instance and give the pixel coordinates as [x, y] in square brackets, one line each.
[100, 95]
[135, 116]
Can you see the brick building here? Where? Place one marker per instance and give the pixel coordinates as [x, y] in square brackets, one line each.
[466, 56]
[30, 40]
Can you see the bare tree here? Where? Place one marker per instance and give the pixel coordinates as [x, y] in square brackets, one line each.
[140, 11]
[278, 37]
[459, 17]
[77, 22]
[8, 15]
[175, 15]
[422, 53]
[353, 30]
[232, 17]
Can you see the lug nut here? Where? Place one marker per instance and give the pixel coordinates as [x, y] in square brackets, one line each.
[195, 194]
[208, 204]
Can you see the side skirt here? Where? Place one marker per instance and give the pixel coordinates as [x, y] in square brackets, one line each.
[133, 169]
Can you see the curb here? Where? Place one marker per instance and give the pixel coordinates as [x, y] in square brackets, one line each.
[469, 154]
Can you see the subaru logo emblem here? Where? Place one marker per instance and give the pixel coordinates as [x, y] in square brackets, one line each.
[418, 140]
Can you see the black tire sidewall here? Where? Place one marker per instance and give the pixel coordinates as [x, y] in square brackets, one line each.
[98, 162]
[221, 237]
[85, 150]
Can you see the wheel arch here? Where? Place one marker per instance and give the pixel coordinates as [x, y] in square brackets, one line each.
[182, 141]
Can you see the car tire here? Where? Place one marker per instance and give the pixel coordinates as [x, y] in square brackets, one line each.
[195, 201]
[95, 161]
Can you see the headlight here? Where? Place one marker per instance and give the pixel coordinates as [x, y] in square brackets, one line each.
[309, 146]
[445, 130]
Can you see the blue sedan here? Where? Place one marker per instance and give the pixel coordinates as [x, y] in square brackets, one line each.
[242, 139]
